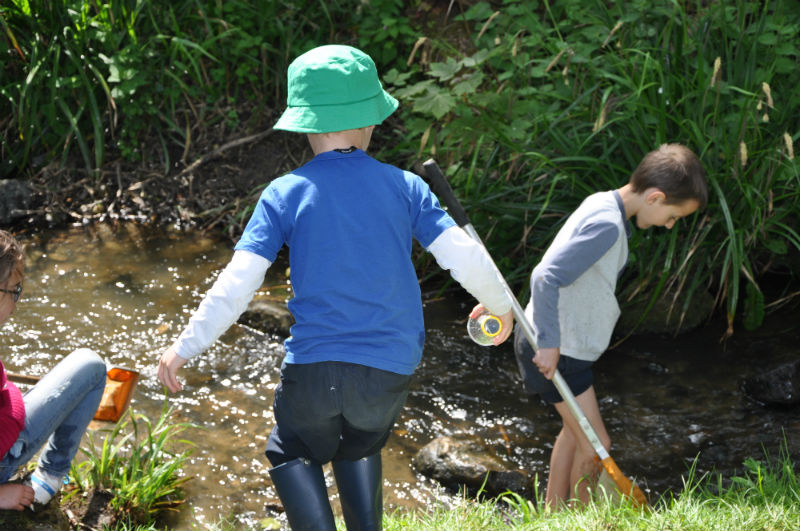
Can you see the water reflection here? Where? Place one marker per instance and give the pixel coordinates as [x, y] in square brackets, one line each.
[128, 291]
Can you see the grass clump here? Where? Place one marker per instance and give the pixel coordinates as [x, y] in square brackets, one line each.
[138, 465]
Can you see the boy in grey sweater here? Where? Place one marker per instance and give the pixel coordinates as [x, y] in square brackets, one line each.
[573, 309]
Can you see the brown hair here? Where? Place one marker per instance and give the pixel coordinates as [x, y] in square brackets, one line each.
[10, 255]
[675, 170]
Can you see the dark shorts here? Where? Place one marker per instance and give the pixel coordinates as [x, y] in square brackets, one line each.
[333, 410]
[577, 373]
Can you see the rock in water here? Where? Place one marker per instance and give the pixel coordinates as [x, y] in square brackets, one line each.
[15, 199]
[268, 317]
[467, 462]
[780, 385]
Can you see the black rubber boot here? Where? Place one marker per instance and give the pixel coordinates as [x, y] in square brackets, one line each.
[360, 486]
[301, 488]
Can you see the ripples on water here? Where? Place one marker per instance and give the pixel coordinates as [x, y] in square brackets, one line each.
[127, 292]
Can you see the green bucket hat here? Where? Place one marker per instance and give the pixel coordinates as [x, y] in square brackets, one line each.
[334, 88]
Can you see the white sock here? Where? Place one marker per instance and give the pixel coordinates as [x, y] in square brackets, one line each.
[45, 485]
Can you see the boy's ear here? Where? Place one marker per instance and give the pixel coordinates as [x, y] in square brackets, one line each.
[654, 195]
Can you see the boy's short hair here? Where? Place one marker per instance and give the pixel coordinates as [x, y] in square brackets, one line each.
[10, 255]
[675, 170]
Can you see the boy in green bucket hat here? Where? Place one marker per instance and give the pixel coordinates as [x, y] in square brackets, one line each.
[349, 222]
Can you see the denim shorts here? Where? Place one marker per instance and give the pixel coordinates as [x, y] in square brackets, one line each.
[334, 410]
[577, 373]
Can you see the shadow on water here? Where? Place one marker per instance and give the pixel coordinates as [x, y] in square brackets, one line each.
[128, 291]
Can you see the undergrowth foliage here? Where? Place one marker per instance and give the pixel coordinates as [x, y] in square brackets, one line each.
[529, 106]
[83, 78]
[552, 101]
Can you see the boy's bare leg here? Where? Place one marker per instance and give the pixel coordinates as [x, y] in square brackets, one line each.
[558, 481]
[585, 470]
[15, 496]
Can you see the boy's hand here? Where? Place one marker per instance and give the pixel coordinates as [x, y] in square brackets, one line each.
[508, 325]
[168, 369]
[547, 361]
[507, 320]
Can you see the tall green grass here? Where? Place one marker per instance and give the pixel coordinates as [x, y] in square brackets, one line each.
[551, 101]
[85, 81]
[100, 75]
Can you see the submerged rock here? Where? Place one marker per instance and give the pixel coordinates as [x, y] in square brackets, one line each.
[268, 316]
[780, 385]
[467, 462]
[15, 199]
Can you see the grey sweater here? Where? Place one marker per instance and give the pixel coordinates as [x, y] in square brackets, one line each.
[572, 304]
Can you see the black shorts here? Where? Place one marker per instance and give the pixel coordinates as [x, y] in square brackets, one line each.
[333, 410]
[577, 373]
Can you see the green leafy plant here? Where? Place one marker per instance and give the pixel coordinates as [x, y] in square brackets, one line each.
[552, 101]
[137, 462]
[84, 79]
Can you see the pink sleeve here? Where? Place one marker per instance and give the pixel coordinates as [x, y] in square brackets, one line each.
[12, 413]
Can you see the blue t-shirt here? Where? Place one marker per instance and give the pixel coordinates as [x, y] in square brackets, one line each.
[348, 221]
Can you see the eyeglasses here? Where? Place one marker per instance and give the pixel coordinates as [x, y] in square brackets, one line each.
[16, 292]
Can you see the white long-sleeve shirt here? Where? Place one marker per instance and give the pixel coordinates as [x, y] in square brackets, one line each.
[453, 249]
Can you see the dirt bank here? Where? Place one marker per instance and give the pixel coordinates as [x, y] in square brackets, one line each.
[208, 184]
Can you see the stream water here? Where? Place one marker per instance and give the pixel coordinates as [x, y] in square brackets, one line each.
[127, 291]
